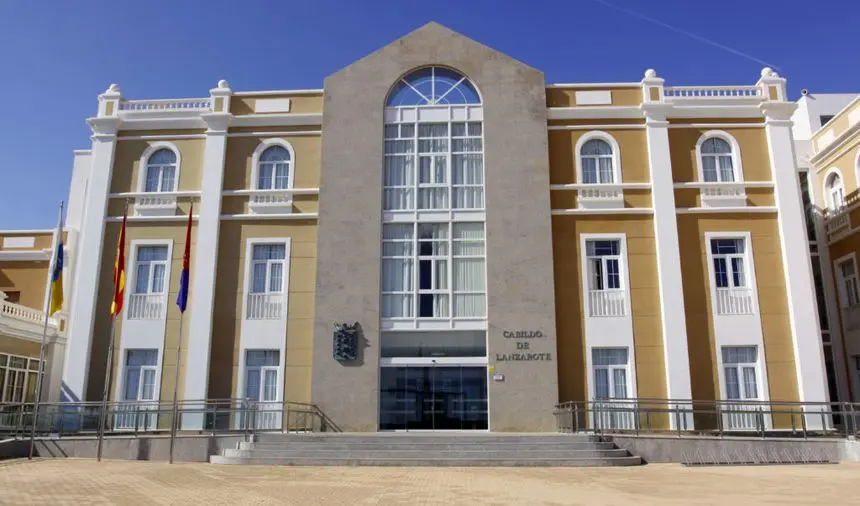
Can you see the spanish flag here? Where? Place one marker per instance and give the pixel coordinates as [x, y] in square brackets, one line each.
[119, 271]
[57, 271]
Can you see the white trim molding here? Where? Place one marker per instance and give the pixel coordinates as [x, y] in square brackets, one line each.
[616, 154]
[258, 152]
[727, 209]
[579, 186]
[620, 210]
[144, 164]
[828, 201]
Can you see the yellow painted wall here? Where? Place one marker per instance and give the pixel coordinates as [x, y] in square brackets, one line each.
[566, 97]
[240, 150]
[570, 308]
[633, 155]
[299, 104]
[846, 160]
[28, 277]
[229, 296]
[773, 301]
[127, 164]
[752, 143]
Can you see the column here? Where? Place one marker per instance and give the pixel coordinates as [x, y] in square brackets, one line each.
[671, 290]
[204, 263]
[85, 286]
[797, 268]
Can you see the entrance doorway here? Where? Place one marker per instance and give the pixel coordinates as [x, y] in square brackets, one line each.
[433, 397]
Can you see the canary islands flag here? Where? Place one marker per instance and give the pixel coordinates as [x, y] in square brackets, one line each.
[182, 298]
[57, 271]
[119, 271]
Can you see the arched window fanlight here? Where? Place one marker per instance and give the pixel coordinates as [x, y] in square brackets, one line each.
[433, 86]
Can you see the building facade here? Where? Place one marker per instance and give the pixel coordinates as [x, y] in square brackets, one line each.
[502, 244]
[833, 161]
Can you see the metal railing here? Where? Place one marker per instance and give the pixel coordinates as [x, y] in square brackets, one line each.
[213, 416]
[738, 418]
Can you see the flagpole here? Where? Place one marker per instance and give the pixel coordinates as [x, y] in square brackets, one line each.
[51, 266]
[109, 365]
[181, 301]
[174, 424]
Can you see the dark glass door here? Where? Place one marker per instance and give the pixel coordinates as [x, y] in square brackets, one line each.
[433, 398]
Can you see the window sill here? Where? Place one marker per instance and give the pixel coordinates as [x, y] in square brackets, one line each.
[155, 205]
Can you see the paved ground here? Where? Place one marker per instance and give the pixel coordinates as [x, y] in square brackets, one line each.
[79, 482]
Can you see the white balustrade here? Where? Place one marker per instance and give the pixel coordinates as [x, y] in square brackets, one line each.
[851, 316]
[25, 314]
[271, 201]
[180, 104]
[146, 306]
[711, 92]
[740, 417]
[839, 222]
[264, 306]
[734, 301]
[723, 195]
[601, 196]
[607, 303]
[155, 204]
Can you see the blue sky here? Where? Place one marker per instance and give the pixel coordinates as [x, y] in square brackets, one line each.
[56, 57]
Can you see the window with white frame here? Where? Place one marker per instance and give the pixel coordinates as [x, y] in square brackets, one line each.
[848, 277]
[150, 270]
[834, 192]
[433, 270]
[717, 161]
[273, 169]
[740, 372]
[161, 171]
[141, 369]
[729, 259]
[611, 371]
[433, 164]
[606, 295]
[266, 286]
[597, 162]
[148, 298]
[261, 375]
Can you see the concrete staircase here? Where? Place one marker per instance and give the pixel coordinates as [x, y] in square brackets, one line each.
[411, 449]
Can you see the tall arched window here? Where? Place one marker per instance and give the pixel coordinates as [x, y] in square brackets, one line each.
[834, 191]
[433, 266]
[161, 171]
[597, 161]
[717, 160]
[273, 169]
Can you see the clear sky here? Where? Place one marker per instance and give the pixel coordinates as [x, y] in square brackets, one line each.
[56, 57]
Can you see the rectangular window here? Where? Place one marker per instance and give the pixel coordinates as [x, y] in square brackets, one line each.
[267, 267]
[18, 378]
[605, 292]
[433, 270]
[848, 277]
[729, 261]
[152, 263]
[610, 368]
[261, 374]
[140, 375]
[740, 372]
[436, 166]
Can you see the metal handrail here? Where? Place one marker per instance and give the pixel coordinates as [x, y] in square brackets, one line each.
[715, 417]
[213, 416]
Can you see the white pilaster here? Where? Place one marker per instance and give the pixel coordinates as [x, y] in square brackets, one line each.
[668, 251]
[86, 277]
[797, 269]
[204, 263]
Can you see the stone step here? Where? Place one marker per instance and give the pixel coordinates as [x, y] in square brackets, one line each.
[430, 462]
[428, 453]
[422, 446]
[425, 438]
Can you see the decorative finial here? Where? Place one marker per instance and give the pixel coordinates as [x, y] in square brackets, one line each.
[223, 84]
[767, 72]
[113, 88]
[650, 74]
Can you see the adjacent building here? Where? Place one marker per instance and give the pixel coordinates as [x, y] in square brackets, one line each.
[502, 244]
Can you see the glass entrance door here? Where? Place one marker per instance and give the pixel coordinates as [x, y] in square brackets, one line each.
[440, 397]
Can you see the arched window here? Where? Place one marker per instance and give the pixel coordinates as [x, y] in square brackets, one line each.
[432, 86]
[834, 191]
[273, 168]
[161, 169]
[719, 158]
[597, 162]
